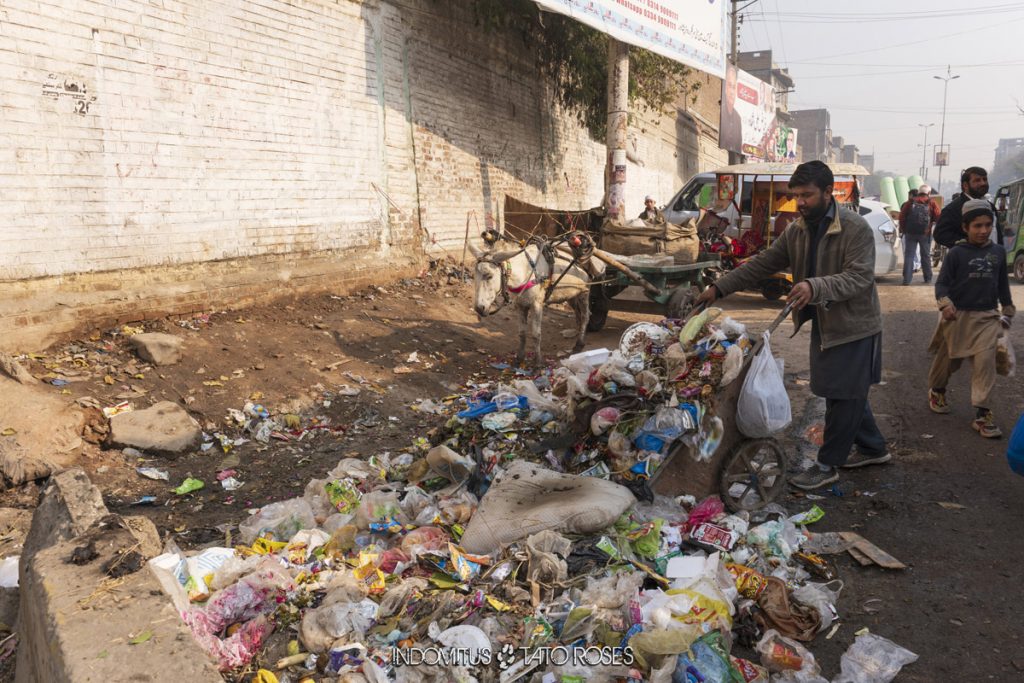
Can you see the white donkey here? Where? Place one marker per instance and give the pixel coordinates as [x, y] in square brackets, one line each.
[524, 276]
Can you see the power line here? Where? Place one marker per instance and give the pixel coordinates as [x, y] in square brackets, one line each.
[918, 42]
[860, 18]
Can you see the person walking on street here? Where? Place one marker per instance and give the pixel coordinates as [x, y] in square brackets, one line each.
[917, 217]
[973, 185]
[831, 252]
[971, 287]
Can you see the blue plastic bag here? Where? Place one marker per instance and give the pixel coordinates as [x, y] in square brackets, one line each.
[1015, 452]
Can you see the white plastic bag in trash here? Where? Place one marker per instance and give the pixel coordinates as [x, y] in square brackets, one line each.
[873, 659]
[763, 406]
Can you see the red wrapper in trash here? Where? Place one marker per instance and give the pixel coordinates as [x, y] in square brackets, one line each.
[715, 536]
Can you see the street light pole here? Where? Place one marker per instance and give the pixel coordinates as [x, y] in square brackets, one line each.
[942, 136]
[924, 150]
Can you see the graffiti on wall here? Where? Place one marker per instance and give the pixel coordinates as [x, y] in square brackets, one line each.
[68, 90]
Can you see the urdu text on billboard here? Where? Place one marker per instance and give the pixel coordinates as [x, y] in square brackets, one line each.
[747, 123]
[691, 32]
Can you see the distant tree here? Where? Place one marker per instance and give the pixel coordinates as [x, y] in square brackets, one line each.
[575, 58]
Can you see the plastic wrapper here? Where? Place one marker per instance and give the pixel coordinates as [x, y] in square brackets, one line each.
[749, 582]
[705, 511]
[777, 538]
[233, 569]
[822, 597]
[245, 602]
[323, 626]
[706, 660]
[547, 551]
[763, 408]
[279, 520]
[620, 445]
[343, 494]
[379, 507]
[425, 539]
[748, 671]
[615, 369]
[732, 328]
[675, 362]
[415, 501]
[200, 570]
[779, 653]
[653, 645]
[499, 421]
[604, 419]
[449, 464]
[457, 509]
[538, 400]
[873, 659]
[732, 365]
[713, 434]
[612, 592]
[359, 470]
[471, 641]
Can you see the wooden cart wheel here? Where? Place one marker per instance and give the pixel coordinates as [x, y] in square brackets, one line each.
[753, 475]
[681, 301]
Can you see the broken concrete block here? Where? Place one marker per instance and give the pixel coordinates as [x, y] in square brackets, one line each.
[164, 428]
[157, 348]
[527, 499]
[69, 507]
[73, 627]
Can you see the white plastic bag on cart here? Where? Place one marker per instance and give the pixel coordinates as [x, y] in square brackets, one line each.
[763, 406]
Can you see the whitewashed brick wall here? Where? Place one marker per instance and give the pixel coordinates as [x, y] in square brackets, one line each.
[139, 133]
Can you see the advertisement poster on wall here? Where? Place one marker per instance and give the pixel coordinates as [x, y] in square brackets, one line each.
[691, 32]
[747, 123]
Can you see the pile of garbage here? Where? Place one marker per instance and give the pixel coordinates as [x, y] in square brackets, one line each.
[519, 541]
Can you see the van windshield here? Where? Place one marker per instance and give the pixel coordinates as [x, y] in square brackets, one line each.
[689, 198]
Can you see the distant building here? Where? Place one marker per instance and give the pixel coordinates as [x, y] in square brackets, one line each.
[814, 134]
[850, 155]
[1007, 149]
[868, 162]
[760, 65]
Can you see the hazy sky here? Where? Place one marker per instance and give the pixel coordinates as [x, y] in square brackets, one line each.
[872, 62]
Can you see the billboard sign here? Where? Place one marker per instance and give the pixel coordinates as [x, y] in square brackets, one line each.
[691, 32]
[747, 123]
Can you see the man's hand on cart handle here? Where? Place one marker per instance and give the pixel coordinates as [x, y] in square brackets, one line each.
[801, 295]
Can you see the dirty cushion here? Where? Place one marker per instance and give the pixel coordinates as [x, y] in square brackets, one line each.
[527, 499]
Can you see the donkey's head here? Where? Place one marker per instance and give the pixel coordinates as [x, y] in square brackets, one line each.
[488, 282]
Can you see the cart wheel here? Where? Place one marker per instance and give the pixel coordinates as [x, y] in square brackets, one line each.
[681, 301]
[773, 291]
[1018, 268]
[754, 475]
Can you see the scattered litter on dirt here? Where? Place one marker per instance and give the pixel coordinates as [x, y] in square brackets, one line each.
[521, 534]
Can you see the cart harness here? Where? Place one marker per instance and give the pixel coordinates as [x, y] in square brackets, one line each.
[580, 244]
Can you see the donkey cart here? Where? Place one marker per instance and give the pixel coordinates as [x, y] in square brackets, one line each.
[669, 289]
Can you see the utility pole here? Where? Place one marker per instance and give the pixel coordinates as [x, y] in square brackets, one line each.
[734, 57]
[735, 15]
[924, 150]
[942, 136]
[618, 119]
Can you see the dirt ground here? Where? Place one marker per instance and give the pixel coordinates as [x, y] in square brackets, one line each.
[957, 605]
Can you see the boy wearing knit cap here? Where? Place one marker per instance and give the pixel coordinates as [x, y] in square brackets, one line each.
[970, 289]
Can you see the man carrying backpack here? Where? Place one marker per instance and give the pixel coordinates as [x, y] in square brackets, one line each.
[973, 185]
[917, 217]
